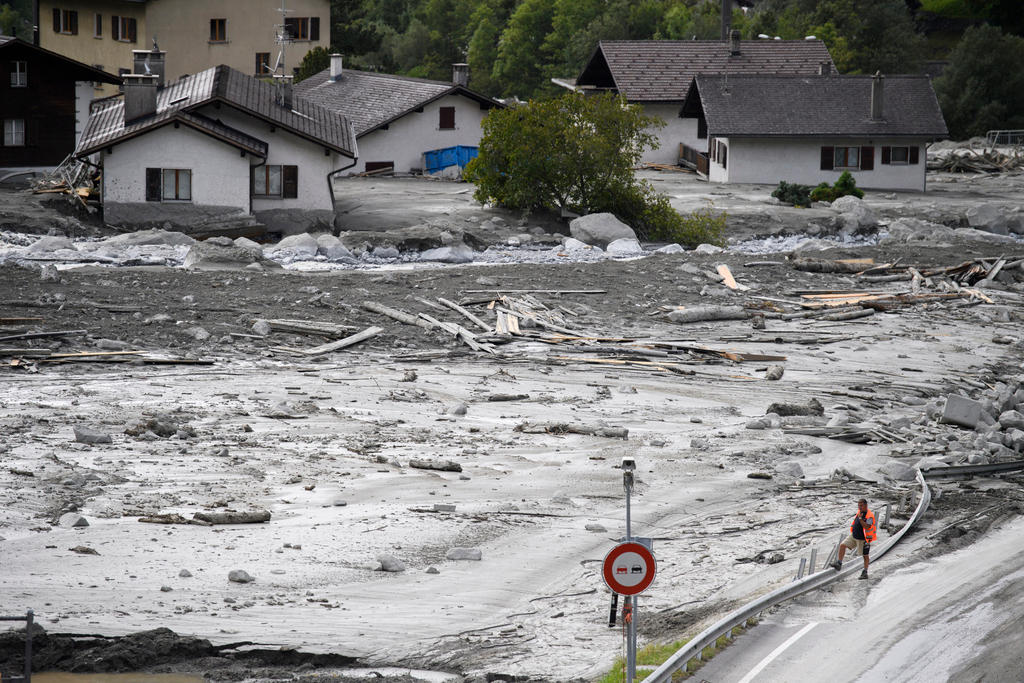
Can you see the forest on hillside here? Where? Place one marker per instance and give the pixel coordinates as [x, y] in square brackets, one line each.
[514, 47]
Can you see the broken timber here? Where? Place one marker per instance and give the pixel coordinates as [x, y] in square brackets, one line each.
[368, 333]
[565, 428]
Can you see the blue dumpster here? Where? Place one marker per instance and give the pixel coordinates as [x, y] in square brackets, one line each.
[438, 159]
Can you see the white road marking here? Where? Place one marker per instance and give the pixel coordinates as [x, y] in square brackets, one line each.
[776, 652]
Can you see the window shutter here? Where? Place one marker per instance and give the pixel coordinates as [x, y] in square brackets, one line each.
[725, 156]
[153, 184]
[115, 27]
[73, 17]
[131, 30]
[447, 118]
[913, 154]
[702, 128]
[867, 158]
[314, 28]
[56, 20]
[886, 155]
[828, 158]
[290, 182]
[31, 132]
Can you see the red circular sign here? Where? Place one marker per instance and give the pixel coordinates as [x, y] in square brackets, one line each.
[629, 568]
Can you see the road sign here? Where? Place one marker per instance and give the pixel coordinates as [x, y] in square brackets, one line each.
[629, 568]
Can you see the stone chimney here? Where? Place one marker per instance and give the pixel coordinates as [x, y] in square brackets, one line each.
[825, 69]
[284, 96]
[150, 63]
[139, 96]
[335, 67]
[734, 43]
[460, 74]
[877, 96]
[726, 18]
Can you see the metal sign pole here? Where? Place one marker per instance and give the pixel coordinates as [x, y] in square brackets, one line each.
[630, 606]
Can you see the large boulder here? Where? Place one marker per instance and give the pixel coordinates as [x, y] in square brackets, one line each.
[331, 248]
[847, 203]
[600, 229]
[48, 244]
[626, 246]
[302, 247]
[167, 238]
[459, 253]
[991, 218]
[223, 253]
[854, 217]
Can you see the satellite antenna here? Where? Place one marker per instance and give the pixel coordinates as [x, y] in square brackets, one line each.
[283, 39]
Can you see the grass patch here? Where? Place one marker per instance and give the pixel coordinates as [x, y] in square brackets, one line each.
[954, 9]
[657, 654]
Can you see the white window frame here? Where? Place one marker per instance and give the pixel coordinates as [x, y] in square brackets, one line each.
[842, 163]
[905, 161]
[179, 173]
[264, 173]
[19, 73]
[14, 132]
[65, 22]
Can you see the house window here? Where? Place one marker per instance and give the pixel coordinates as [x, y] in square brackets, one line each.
[275, 181]
[19, 74]
[123, 29]
[379, 166]
[447, 121]
[65, 21]
[900, 156]
[170, 184]
[721, 153]
[97, 25]
[262, 63]
[218, 30]
[303, 28]
[14, 132]
[846, 157]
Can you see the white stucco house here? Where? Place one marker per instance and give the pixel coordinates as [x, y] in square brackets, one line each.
[213, 147]
[398, 119]
[809, 129]
[656, 74]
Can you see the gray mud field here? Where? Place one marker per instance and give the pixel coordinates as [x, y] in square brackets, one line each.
[440, 512]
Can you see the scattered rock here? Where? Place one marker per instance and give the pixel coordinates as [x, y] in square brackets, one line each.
[898, 470]
[185, 574]
[596, 528]
[1011, 419]
[440, 465]
[261, 327]
[962, 411]
[91, 436]
[759, 475]
[455, 254]
[112, 345]
[774, 372]
[83, 550]
[709, 249]
[432, 570]
[812, 408]
[792, 469]
[573, 244]
[458, 409]
[301, 247]
[464, 554]
[240, 576]
[331, 248]
[389, 563]
[600, 229]
[670, 249]
[165, 589]
[70, 520]
[626, 246]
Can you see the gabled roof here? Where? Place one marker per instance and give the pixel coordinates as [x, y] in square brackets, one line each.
[661, 70]
[372, 100]
[11, 48]
[820, 106]
[180, 100]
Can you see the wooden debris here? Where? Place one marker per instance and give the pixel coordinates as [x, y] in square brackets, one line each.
[172, 518]
[395, 314]
[813, 265]
[565, 428]
[849, 315]
[728, 280]
[705, 313]
[254, 517]
[325, 329]
[439, 465]
[465, 313]
[42, 335]
[537, 291]
[977, 161]
[368, 333]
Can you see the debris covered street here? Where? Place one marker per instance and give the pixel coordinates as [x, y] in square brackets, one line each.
[439, 496]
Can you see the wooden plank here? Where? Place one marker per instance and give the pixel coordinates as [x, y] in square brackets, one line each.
[19, 321]
[465, 313]
[728, 280]
[343, 343]
[395, 314]
[537, 291]
[40, 335]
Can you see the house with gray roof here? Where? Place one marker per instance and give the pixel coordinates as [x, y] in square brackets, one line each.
[212, 147]
[656, 74]
[809, 129]
[397, 118]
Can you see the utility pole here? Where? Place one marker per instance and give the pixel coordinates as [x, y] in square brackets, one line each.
[629, 606]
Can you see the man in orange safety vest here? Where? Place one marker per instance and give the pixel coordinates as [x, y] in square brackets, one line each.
[862, 533]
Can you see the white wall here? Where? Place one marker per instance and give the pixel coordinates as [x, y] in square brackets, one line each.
[769, 160]
[220, 175]
[676, 130]
[287, 149]
[406, 139]
[83, 97]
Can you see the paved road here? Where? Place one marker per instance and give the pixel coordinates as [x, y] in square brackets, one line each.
[954, 618]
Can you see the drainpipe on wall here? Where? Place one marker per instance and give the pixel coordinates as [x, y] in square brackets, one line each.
[330, 175]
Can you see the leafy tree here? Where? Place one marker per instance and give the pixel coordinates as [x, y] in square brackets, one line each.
[315, 61]
[519, 68]
[16, 19]
[983, 86]
[483, 50]
[576, 152]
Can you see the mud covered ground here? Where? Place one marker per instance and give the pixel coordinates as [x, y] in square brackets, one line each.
[329, 445]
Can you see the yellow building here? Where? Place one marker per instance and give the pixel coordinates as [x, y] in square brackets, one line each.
[196, 34]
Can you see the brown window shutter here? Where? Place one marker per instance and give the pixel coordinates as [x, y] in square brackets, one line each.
[290, 182]
[73, 20]
[725, 156]
[867, 158]
[702, 128]
[913, 154]
[314, 28]
[131, 30]
[828, 158]
[153, 184]
[56, 20]
[886, 155]
[447, 120]
[115, 27]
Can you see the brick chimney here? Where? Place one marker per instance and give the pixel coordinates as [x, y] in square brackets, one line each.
[335, 67]
[460, 74]
[877, 96]
[139, 96]
[734, 43]
[150, 63]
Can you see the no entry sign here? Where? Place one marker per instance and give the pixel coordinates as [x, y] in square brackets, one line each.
[629, 568]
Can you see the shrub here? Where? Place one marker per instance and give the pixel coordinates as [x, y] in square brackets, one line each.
[845, 185]
[791, 193]
[652, 217]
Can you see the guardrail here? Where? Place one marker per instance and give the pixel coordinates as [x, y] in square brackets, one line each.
[724, 626]
[26, 676]
[1005, 137]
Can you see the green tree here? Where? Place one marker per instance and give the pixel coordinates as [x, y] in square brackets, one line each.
[519, 68]
[983, 86]
[315, 61]
[483, 50]
[576, 152]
